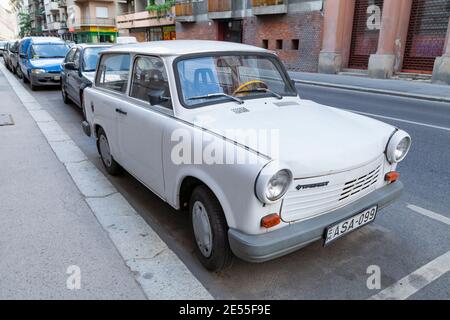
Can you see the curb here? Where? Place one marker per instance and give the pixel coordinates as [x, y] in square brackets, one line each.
[372, 90]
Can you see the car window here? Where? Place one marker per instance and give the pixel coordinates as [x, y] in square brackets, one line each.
[69, 57]
[43, 51]
[90, 58]
[113, 72]
[149, 76]
[76, 58]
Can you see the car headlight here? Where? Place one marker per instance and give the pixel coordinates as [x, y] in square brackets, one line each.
[398, 146]
[37, 71]
[273, 182]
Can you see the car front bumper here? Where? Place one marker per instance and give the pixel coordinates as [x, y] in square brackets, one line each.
[271, 245]
[46, 79]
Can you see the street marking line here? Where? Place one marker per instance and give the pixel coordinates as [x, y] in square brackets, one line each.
[416, 280]
[156, 268]
[400, 120]
[429, 214]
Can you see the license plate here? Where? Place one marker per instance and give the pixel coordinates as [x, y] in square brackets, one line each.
[57, 78]
[342, 228]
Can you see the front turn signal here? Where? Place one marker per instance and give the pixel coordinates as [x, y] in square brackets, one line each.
[392, 176]
[270, 220]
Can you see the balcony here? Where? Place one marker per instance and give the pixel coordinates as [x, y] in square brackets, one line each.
[54, 25]
[103, 22]
[184, 11]
[53, 6]
[62, 3]
[144, 19]
[219, 9]
[265, 7]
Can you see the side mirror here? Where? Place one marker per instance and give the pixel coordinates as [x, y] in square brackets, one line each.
[23, 55]
[156, 97]
[70, 66]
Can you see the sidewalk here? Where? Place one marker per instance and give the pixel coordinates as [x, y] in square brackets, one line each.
[57, 210]
[402, 88]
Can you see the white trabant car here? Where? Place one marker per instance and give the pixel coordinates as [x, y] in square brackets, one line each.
[182, 117]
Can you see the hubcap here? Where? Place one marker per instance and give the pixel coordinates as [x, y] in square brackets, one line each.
[202, 228]
[104, 150]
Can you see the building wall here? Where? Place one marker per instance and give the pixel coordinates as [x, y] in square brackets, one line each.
[8, 24]
[299, 30]
[300, 34]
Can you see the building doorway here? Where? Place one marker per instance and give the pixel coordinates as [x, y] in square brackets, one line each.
[365, 33]
[426, 35]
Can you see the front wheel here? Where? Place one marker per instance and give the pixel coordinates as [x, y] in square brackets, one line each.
[111, 166]
[24, 78]
[64, 94]
[210, 230]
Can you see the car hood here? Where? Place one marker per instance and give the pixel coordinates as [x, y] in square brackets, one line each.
[53, 64]
[313, 139]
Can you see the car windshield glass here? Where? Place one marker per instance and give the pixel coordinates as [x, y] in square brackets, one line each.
[90, 58]
[39, 51]
[242, 76]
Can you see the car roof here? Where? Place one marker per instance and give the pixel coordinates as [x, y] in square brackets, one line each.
[92, 45]
[181, 47]
[38, 40]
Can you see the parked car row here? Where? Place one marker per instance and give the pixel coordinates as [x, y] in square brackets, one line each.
[330, 175]
[49, 61]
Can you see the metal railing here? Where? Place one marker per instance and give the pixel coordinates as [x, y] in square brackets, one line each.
[264, 3]
[97, 22]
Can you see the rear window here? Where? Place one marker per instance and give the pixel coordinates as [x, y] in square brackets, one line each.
[113, 72]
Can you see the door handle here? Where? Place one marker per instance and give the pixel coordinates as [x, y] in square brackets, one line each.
[121, 111]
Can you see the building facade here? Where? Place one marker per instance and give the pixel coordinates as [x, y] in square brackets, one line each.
[135, 20]
[8, 22]
[292, 28]
[91, 21]
[387, 37]
[55, 18]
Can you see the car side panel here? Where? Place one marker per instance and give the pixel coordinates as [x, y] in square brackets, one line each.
[232, 184]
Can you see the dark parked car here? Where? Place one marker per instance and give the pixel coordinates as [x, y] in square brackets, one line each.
[14, 58]
[78, 71]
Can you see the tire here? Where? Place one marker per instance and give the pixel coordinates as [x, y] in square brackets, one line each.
[18, 72]
[111, 166]
[24, 78]
[65, 98]
[204, 206]
[32, 86]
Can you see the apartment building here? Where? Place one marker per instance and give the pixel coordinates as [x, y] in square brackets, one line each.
[37, 16]
[92, 21]
[8, 23]
[55, 18]
[134, 19]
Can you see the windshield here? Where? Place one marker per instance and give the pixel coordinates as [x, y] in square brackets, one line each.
[211, 79]
[39, 51]
[90, 58]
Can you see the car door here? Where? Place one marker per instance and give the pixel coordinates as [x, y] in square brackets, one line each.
[141, 125]
[111, 85]
[73, 79]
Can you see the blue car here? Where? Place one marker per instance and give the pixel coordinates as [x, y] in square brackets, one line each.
[40, 60]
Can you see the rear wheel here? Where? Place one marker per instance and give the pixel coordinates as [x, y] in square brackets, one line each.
[111, 166]
[210, 230]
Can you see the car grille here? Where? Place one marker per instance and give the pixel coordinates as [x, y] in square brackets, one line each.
[342, 189]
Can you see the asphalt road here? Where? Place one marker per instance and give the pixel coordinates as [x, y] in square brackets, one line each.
[399, 242]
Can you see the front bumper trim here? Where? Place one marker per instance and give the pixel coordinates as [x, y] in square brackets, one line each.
[271, 245]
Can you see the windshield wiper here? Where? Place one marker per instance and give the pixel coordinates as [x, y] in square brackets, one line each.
[276, 95]
[216, 95]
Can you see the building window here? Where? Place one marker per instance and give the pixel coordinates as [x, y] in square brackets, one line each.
[279, 44]
[295, 44]
[265, 44]
[101, 12]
